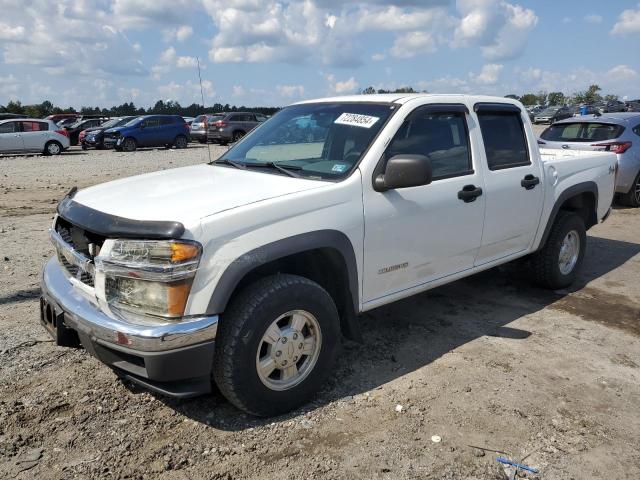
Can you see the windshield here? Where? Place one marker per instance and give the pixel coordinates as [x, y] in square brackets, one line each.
[319, 140]
[582, 132]
[111, 123]
[549, 111]
[133, 121]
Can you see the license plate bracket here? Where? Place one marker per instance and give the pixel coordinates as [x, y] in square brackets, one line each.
[52, 319]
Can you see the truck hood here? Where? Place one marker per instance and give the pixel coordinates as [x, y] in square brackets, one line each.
[188, 194]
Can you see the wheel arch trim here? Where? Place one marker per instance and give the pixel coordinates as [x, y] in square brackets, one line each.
[574, 190]
[241, 266]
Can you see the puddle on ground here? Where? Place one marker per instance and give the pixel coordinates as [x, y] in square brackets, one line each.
[610, 309]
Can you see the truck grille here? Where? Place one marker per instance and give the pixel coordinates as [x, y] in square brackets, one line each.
[82, 242]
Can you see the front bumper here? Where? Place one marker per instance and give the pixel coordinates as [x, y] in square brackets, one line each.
[174, 359]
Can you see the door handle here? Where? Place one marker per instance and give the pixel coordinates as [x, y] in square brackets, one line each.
[469, 193]
[529, 182]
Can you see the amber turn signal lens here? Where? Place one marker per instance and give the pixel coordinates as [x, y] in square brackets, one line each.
[177, 296]
[181, 252]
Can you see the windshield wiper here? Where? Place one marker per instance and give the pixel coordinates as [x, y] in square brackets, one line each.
[226, 161]
[286, 169]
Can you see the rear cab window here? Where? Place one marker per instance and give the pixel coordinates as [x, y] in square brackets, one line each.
[505, 141]
[582, 132]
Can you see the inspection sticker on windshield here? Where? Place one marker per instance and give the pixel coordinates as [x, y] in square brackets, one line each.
[356, 120]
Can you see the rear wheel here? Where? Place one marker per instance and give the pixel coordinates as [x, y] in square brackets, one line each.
[52, 148]
[129, 145]
[632, 197]
[181, 142]
[202, 141]
[557, 264]
[237, 135]
[276, 344]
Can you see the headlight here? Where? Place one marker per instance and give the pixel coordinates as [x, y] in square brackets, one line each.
[150, 277]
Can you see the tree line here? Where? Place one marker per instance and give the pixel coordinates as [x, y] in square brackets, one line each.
[589, 96]
[170, 107]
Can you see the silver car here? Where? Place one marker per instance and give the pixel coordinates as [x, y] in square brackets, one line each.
[32, 135]
[611, 132]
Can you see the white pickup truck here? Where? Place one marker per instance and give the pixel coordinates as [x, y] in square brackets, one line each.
[248, 270]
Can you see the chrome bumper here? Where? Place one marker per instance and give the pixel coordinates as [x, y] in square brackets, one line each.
[84, 316]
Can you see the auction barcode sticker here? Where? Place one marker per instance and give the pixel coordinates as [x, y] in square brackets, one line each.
[356, 120]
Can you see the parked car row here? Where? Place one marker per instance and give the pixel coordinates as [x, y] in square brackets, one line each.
[224, 128]
[611, 132]
[553, 113]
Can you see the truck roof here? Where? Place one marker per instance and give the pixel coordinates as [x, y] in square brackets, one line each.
[405, 97]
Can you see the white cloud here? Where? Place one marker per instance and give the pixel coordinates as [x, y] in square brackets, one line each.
[628, 22]
[622, 73]
[342, 87]
[135, 14]
[186, 62]
[501, 29]
[593, 18]
[412, 44]
[331, 21]
[238, 91]
[9, 33]
[489, 74]
[183, 32]
[378, 57]
[290, 91]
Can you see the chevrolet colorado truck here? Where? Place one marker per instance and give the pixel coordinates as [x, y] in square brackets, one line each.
[247, 271]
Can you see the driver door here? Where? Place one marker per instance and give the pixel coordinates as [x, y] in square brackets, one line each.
[417, 235]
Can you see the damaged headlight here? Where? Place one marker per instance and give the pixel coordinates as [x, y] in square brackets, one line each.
[150, 277]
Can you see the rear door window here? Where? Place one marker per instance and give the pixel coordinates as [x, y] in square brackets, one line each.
[34, 126]
[505, 142]
[582, 132]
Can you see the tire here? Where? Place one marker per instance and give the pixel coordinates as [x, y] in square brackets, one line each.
[550, 269]
[202, 141]
[181, 142]
[632, 197]
[84, 147]
[237, 135]
[129, 145]
[241, 344]
[52, 148]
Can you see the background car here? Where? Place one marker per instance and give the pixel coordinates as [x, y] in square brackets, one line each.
[94, 137]
[552, 114]
[58, 117]
[28, 135]
[633, 106]
[614, 106]
[149, 131]
[224, 128]
[611, 132]
[83, 124]
[8, 116]
[576, 110]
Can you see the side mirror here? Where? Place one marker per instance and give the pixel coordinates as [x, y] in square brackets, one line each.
[404, 171]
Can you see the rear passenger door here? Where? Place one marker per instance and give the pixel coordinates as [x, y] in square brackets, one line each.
[34, 135]
[512, 180]
[416, 235]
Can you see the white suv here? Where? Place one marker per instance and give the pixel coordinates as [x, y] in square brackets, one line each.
[28, 135]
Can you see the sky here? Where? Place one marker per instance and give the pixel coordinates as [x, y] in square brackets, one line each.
[275, 52]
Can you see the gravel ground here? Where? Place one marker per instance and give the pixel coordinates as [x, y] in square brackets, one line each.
[550, 378]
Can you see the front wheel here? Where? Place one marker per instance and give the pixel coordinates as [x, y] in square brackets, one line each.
[276, 345]
[129, 145]
[237, 135]
[557, 264]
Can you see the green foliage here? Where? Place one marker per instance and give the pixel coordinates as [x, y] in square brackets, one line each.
[556, 98]
[529, 99]
[611, 98]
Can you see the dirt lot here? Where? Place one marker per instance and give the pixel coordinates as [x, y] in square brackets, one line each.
[490, 361]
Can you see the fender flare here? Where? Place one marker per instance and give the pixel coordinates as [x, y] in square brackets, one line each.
[264, 254]
[572, 191]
